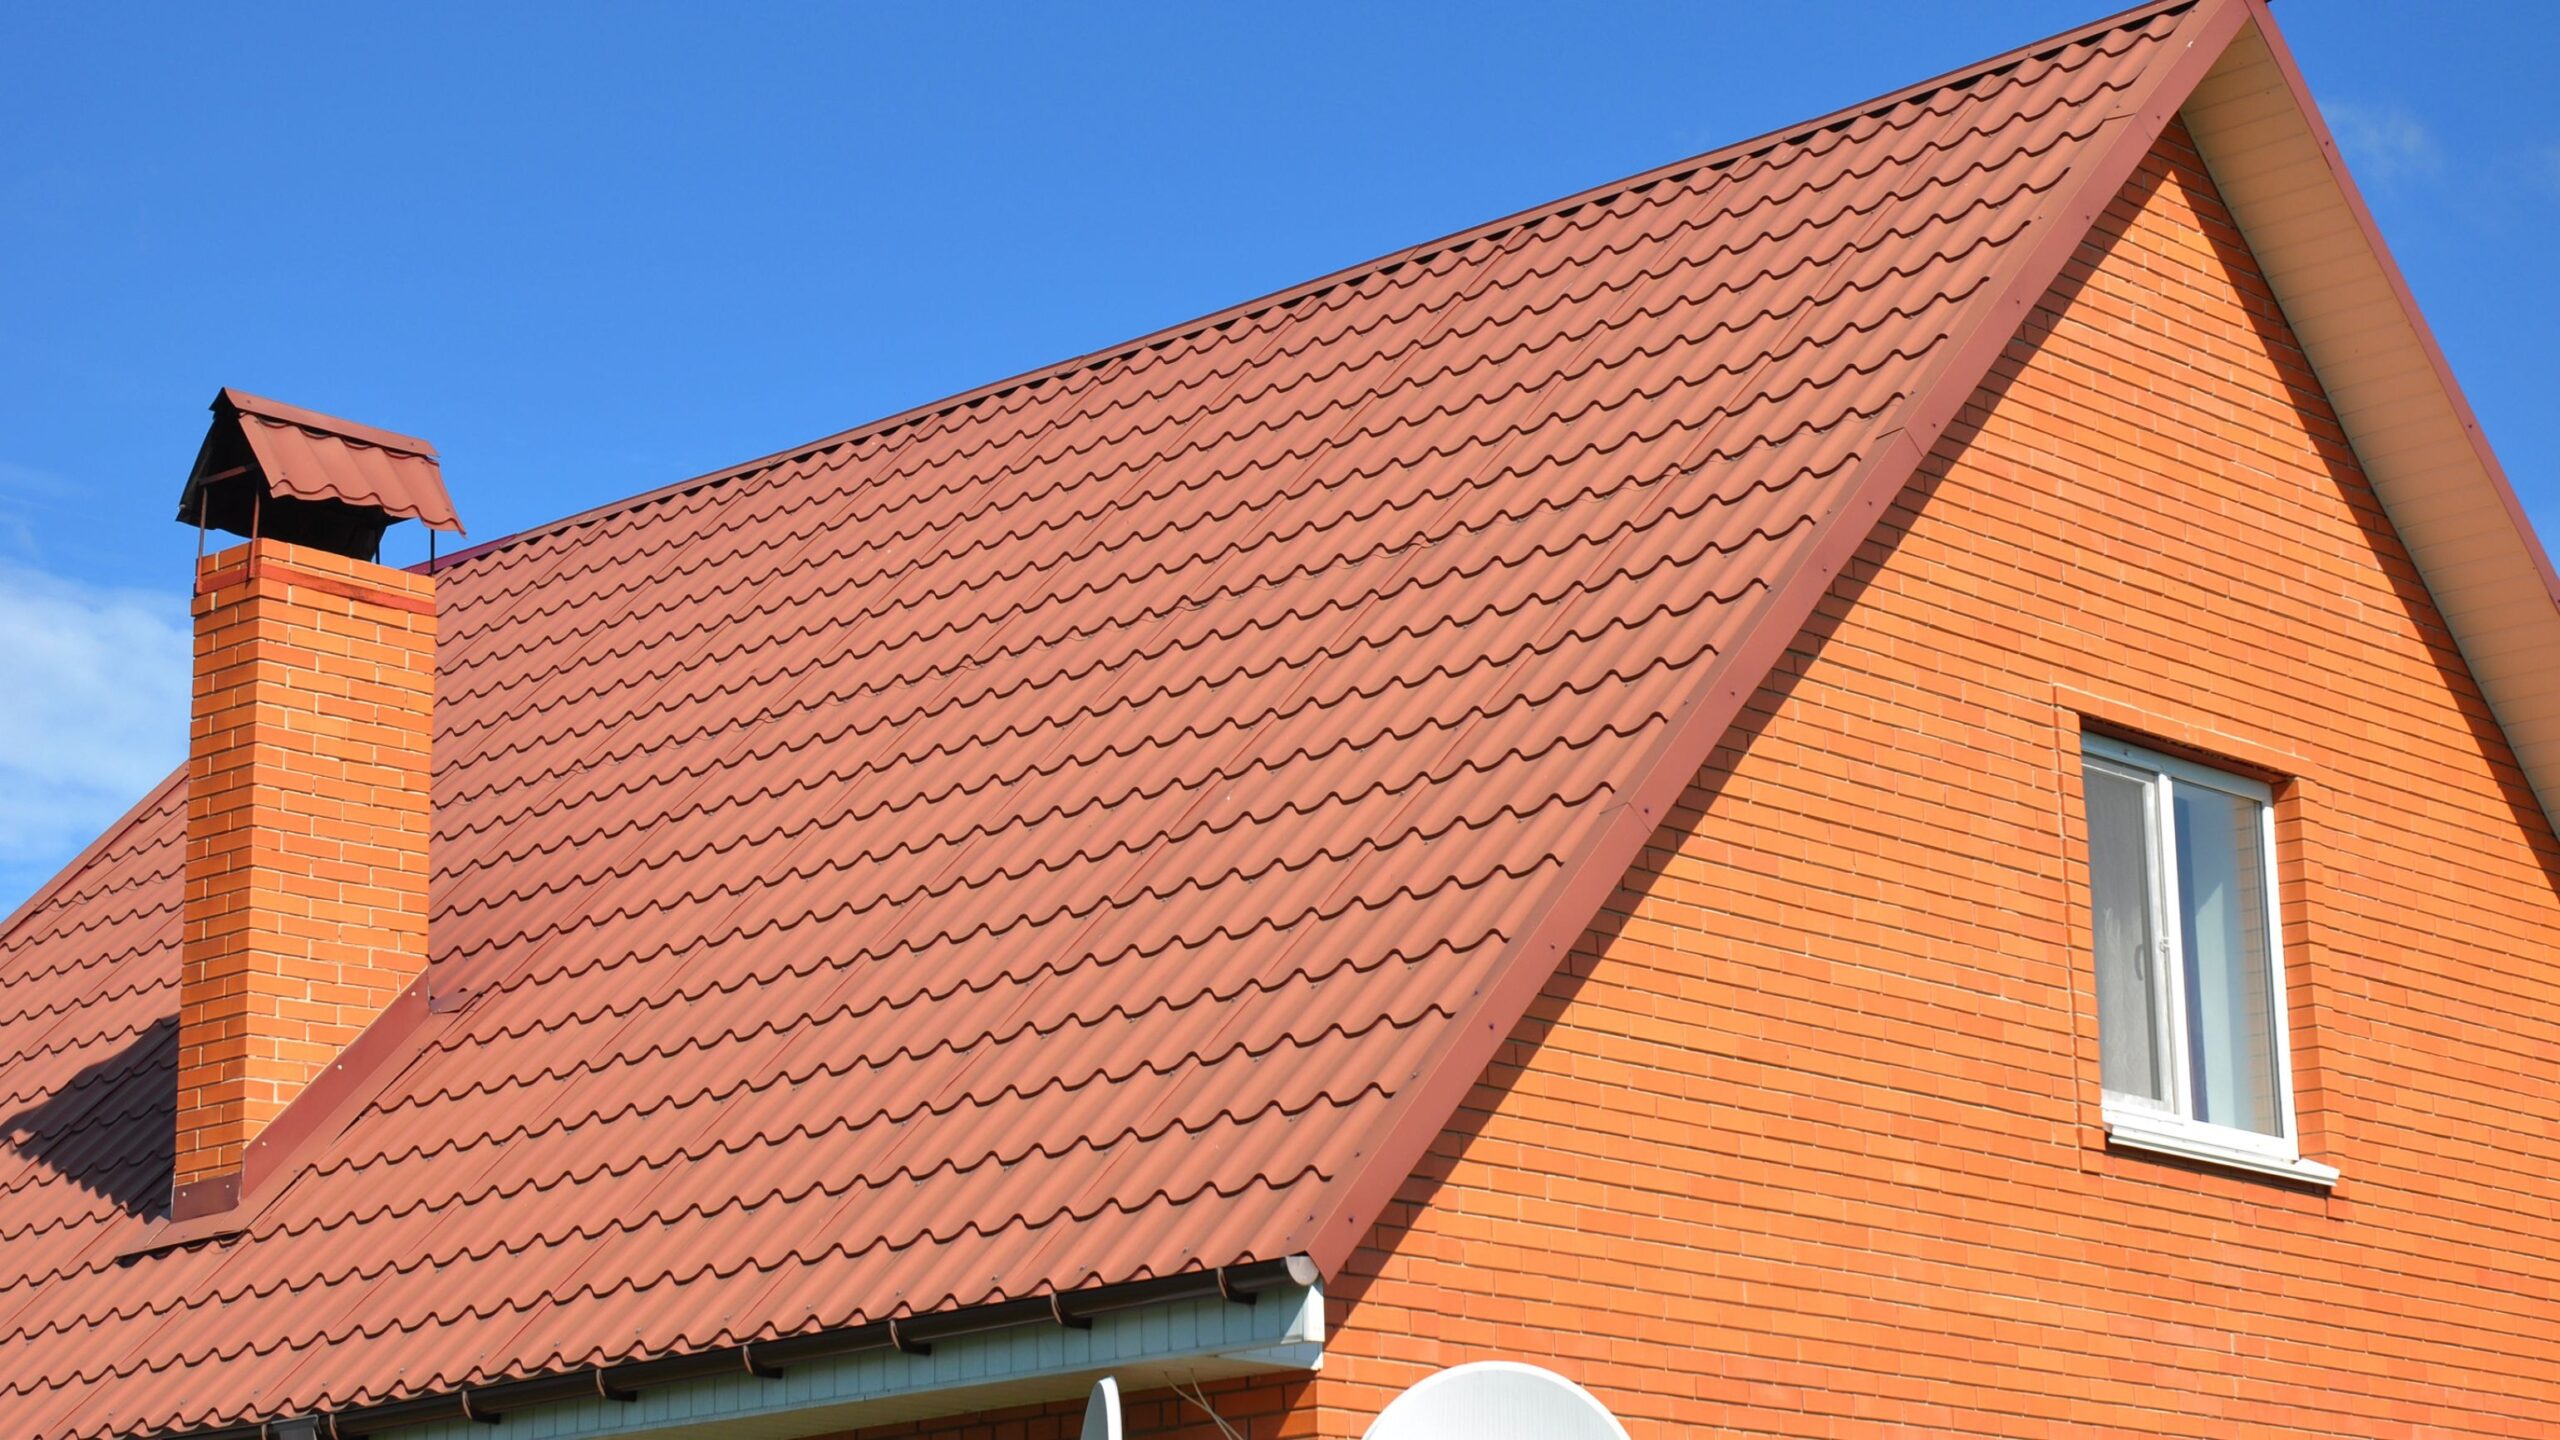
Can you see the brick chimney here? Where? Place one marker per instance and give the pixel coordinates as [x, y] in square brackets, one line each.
[308, 779]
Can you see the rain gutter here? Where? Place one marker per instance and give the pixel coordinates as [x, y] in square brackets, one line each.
[1242, 1319]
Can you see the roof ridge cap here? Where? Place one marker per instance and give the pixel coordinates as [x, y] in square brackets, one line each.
[277, 412]
[1792, 133]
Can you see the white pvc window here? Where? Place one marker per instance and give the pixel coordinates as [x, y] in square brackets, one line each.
[2192, 1043]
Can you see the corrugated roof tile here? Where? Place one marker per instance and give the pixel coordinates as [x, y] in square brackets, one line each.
[1036, 843]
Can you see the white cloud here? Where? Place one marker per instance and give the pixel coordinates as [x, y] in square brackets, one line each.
[93, 715]
[2385, 142]
[24, 494]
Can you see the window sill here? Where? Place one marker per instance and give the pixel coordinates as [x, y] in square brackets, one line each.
[2212, 1145]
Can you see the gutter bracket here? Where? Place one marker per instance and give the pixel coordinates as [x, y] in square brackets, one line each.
[1301, 1348]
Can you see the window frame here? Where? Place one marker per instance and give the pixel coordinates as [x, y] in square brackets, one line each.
[2172, 1128]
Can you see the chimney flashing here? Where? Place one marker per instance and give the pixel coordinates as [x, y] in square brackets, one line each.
[222, 1206]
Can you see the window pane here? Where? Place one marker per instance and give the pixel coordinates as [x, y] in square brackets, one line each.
[2129, 1005]
[2222, 921]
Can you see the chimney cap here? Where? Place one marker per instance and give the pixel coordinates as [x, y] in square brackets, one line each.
[280, 471]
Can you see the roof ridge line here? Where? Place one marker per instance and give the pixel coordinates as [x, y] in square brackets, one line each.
[1602, 856]
[1290, 294]
[279, 412]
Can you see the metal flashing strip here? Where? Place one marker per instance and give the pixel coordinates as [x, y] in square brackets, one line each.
[1199, 1338]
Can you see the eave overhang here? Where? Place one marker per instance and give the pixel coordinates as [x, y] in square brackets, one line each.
[2413, 433]
[1255, 1319]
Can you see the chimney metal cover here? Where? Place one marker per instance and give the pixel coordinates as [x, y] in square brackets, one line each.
[267, 469]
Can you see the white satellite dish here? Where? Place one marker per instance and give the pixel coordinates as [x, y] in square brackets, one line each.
[1102, 1411]
[1496, 1400]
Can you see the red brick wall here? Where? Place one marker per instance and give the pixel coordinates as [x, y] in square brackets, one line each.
[1805, 1141]
[307, 822]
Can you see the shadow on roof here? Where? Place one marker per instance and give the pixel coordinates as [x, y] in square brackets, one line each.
[112, 1128]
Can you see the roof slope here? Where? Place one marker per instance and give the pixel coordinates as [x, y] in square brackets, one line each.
[1090, 830]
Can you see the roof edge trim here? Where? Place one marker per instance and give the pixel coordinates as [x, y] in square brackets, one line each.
[80, 862]
[1895, 455]
[1291, 294]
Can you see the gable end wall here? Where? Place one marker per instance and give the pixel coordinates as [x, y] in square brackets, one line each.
[1807, 1142]
[1804, 1140]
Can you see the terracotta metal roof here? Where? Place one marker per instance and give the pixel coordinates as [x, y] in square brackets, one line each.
[310, 456]
[1087, 831]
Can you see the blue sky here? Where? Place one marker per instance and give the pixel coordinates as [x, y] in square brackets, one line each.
[590, 250]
